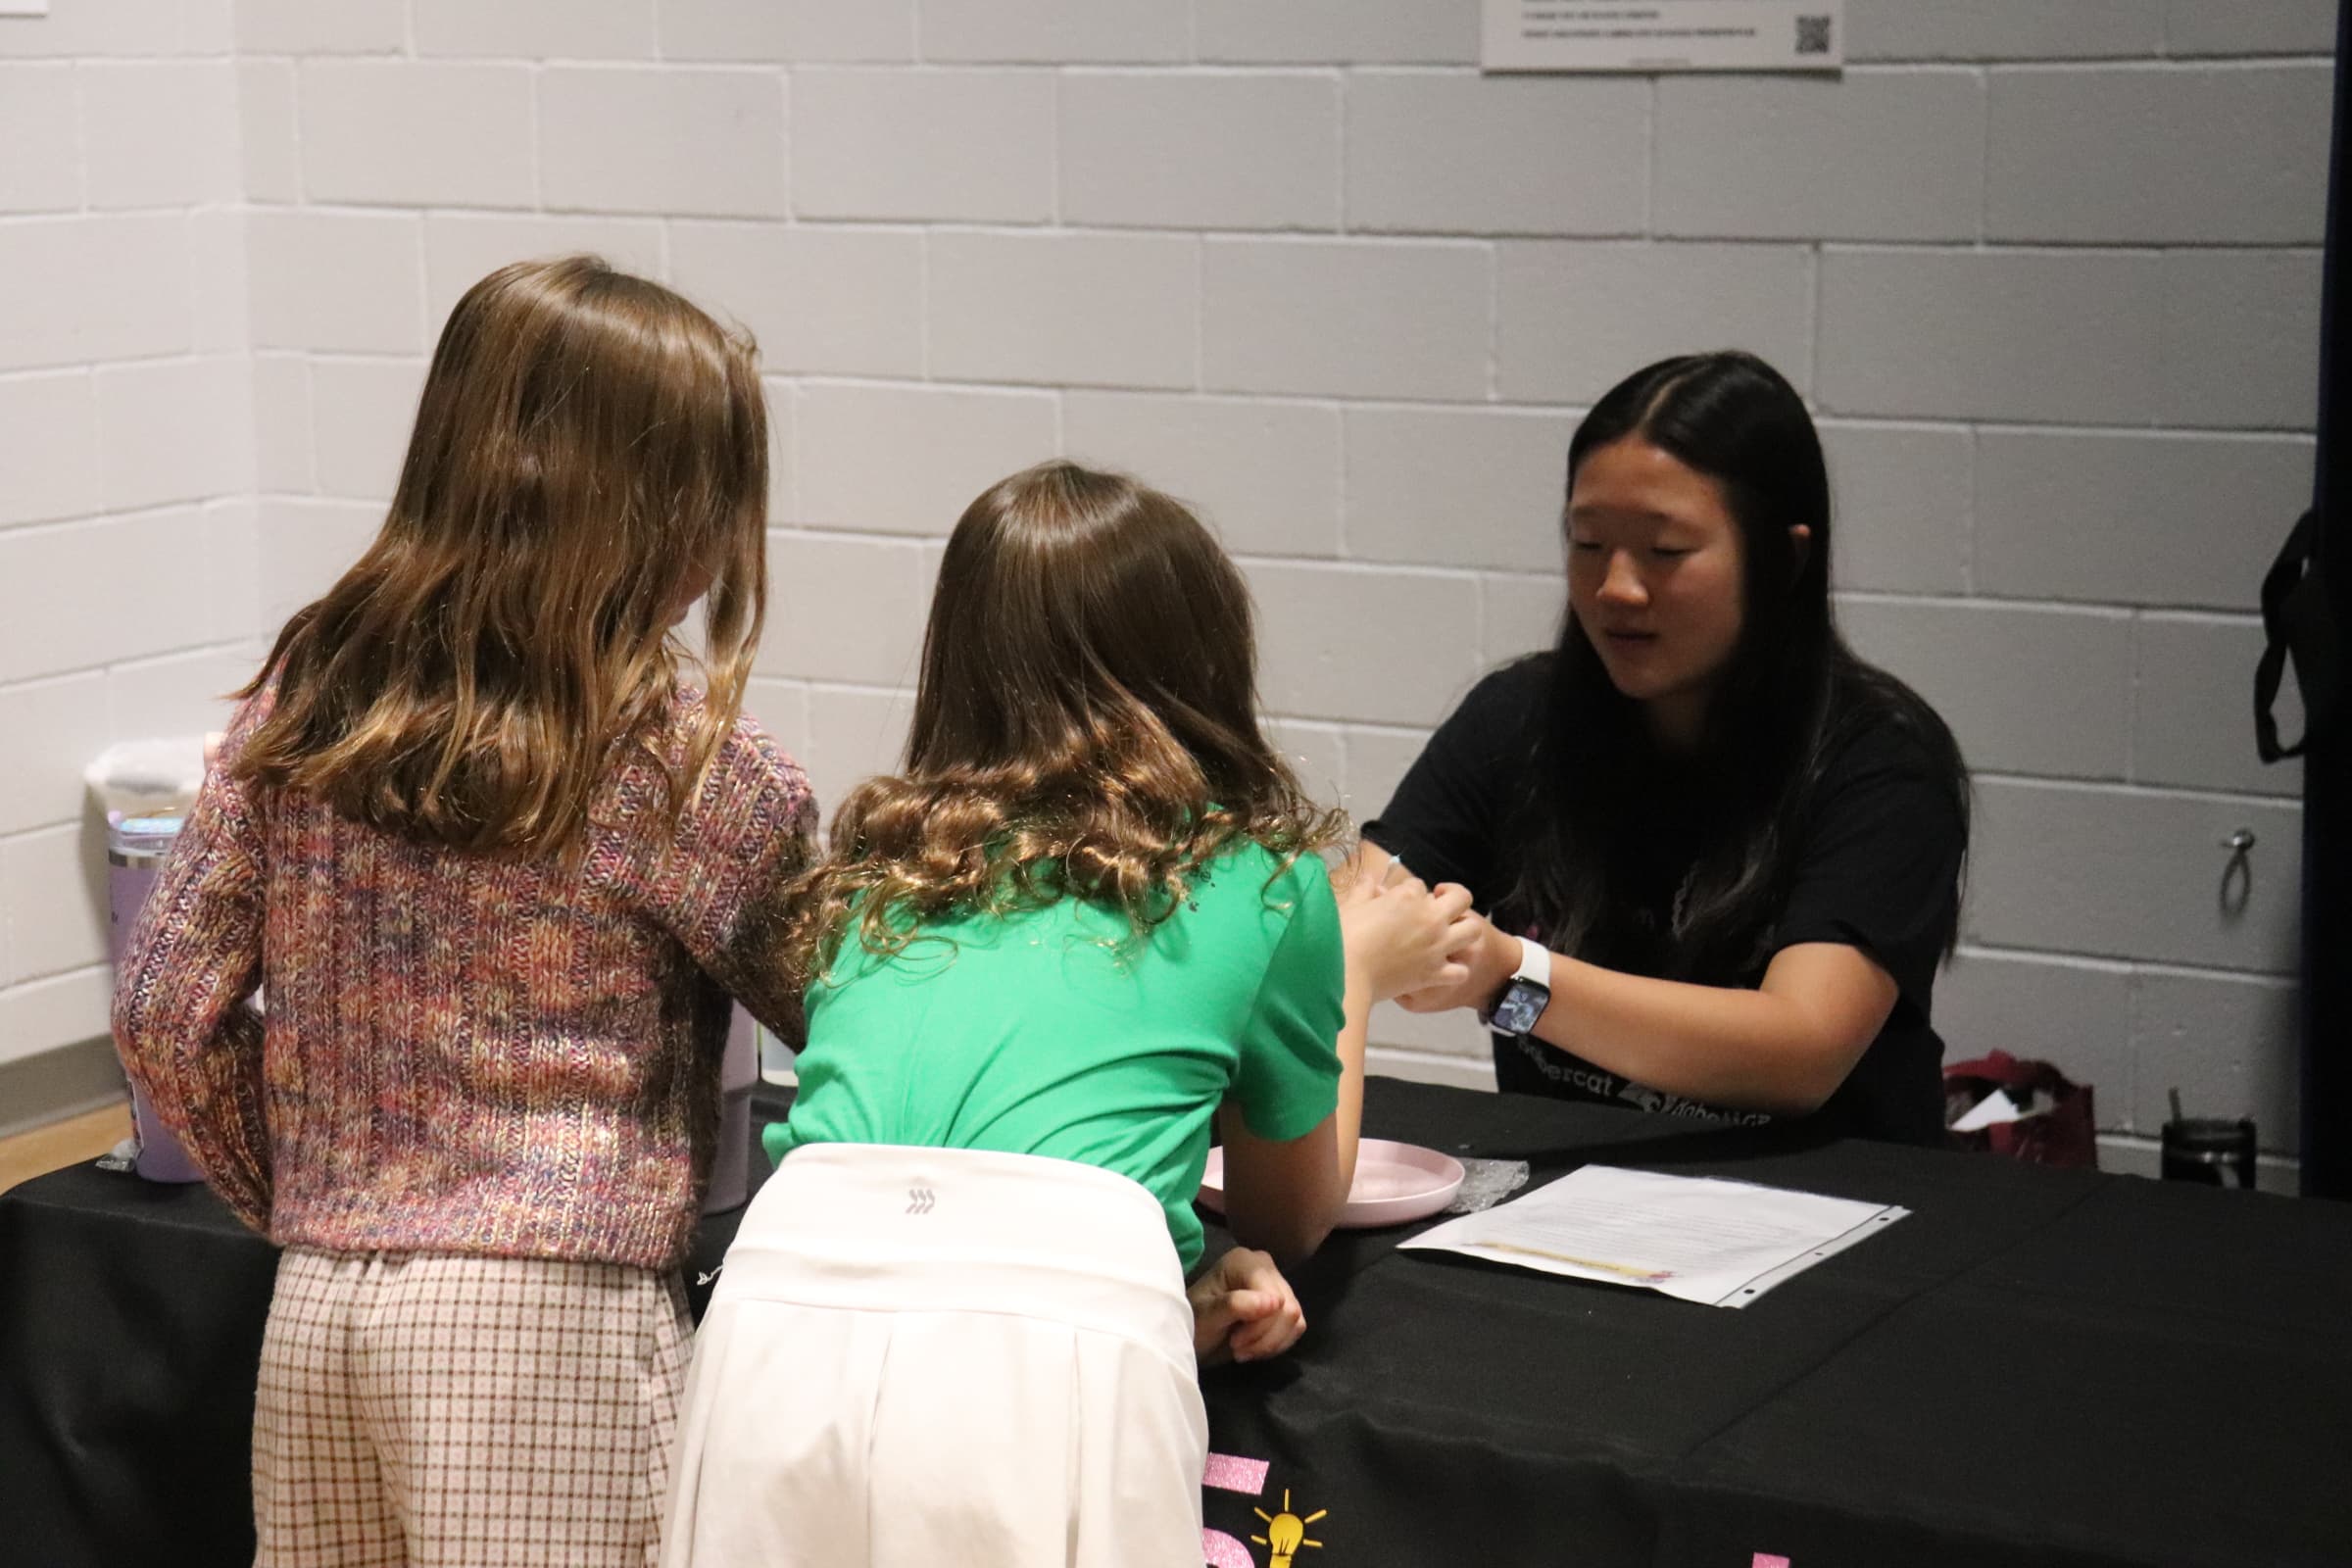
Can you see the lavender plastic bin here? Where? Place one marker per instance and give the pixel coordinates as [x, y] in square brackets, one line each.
[134, 853]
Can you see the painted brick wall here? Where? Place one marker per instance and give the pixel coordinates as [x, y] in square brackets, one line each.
[126, 517]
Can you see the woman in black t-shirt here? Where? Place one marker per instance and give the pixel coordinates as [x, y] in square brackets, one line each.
[1733, 848]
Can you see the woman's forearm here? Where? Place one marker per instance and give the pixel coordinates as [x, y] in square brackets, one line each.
[1741, 1049]
[1782, 1048]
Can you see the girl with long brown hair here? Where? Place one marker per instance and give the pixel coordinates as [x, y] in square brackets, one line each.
[1086, 917]
[500, 868]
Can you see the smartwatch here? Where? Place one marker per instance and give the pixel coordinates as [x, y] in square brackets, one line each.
[1528, 994]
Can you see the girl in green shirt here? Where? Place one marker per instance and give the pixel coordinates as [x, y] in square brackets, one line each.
[1087, 919]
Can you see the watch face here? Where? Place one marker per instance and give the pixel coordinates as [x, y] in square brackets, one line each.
[1521, 1005]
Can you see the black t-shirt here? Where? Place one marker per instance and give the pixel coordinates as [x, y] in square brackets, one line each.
[1877, 867]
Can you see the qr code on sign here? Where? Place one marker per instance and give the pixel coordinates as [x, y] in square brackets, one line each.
[1812, 35]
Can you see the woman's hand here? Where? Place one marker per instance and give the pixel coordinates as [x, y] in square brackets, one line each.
[1244, 1309]
[1399, 935]
[1486, 958]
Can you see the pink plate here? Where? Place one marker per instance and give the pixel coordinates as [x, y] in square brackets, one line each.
[1394, 1183]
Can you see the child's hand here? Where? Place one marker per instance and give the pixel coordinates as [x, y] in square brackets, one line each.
[1399, 935]
[1486, 956]
[1244, 1309]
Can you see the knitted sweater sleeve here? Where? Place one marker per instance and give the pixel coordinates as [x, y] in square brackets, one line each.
[724, 882]
[183, 1017]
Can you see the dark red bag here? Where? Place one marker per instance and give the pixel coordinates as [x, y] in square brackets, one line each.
[2062, 1131]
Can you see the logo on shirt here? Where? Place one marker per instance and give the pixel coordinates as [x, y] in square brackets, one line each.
[919, 1199]
[1603, 1085]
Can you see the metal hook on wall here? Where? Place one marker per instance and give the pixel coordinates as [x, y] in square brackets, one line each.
[2238, 876]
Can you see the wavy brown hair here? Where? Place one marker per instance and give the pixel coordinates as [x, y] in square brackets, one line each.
[1086, 725]
[590, 452]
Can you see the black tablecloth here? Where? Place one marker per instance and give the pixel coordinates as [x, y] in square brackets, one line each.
[2038, 1366]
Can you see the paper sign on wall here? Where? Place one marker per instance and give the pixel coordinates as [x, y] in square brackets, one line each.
[1660, 36]
[24, 8]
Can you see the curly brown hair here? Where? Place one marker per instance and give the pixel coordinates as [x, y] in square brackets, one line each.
[1086, 725]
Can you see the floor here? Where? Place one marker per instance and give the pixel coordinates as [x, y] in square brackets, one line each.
[62, 1142]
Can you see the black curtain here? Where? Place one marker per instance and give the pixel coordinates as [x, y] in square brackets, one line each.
[2328, 765]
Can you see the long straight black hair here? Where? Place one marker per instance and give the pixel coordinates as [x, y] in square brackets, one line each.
[1790, 696]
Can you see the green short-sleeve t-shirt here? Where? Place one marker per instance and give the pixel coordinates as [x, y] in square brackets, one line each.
[1054, 1031]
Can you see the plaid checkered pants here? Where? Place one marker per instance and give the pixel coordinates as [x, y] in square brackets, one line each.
[434, 1410]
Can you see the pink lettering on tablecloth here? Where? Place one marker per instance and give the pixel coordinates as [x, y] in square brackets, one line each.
[1230, 1472]
[1220, 1551]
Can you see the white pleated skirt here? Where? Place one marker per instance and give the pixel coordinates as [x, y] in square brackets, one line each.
[927, 1356]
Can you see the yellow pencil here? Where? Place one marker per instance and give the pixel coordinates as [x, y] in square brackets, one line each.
[1627, 1269]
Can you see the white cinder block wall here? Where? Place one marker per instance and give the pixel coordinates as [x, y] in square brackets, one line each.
[2048, 269]
[127, 522]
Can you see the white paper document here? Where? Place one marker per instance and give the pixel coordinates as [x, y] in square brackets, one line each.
[1717, 1243]
[1990, 1111]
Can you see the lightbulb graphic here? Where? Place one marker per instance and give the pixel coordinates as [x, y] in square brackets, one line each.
[1285, 1533]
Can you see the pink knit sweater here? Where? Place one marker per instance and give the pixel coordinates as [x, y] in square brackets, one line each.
[463, 1052]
